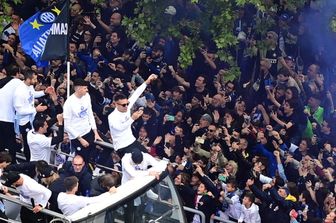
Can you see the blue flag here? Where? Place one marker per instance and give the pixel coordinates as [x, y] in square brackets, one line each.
[44, 36]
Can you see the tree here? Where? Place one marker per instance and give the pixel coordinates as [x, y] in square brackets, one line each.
[195, 18]
[4, 7]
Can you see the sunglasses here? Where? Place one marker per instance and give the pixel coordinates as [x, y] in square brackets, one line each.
[124, 105]
[269, 37]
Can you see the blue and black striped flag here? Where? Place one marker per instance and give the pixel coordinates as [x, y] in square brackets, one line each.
[44, 36]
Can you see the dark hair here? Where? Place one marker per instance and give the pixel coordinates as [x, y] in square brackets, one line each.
[230, 82]
[38, 123]
[307, 140]
[71, 42]
[284, 71]
[117, 32]
[108, 180]
[41, 165]
[158, 47]
[295, 92]
[28, 74]
[232, 182]
[117, 12]
[185, 179]
[281, 87]
[291, 103]
[293, 189]
[306, 195]
[148, 111]
[250, 196]
[5, 157]
[12, 70]
[330, 121]
[204, 77]
[119, 96]
[70, 183]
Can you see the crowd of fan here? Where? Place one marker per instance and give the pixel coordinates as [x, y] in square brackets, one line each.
[261, 148]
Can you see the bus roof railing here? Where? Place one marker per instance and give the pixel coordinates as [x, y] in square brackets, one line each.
[124, 193]
[54, 214]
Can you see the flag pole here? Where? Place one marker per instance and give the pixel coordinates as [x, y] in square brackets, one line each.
[68, 52]
[68, 79]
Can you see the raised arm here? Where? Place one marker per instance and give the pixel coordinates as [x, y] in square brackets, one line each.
[140, 89]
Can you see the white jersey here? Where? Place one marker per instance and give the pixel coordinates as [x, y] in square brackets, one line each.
[39, 145]
[70, 203]
[78, 116]
[24, 102]
[250, 215]
[30, 189]
[131, 170]
[7, 113]
[120, 122]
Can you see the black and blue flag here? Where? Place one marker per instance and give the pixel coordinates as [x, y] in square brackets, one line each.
[44, 36]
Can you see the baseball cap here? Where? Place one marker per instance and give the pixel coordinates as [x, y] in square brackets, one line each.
[137, 156]
[11, 177]
[290, 58]
[47, 172]
[149, 96]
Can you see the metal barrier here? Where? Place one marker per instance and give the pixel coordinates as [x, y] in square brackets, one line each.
[58, 216]
[9, 220]
[195, 211]
[164, 215]
[220, 220]
[104, 144]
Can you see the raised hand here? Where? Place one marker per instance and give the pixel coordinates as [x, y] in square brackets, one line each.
[151, 78]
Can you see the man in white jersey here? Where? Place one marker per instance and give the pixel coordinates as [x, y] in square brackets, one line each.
[24, 96]
[39, 144]
[79, 121]
[32, 193]
[8, 86]
[120, 120]
[69, 203]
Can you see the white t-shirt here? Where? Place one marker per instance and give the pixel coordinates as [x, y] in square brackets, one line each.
[39, 145]
[78, 116]
[31, 189]
[70, 203]
[131, 170]
[120, 122]
[7, 113]
[250, 215]
[24, 102]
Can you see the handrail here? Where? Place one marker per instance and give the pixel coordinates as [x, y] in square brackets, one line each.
[220, 220]
[195, 211]
[104, 144]
[9, 220]
[45, 211]
[10, 189]
[175, 207]
[58, 219]
[126, 192]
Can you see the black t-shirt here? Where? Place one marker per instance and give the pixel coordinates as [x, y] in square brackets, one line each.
[272, 55]
[295, 120]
